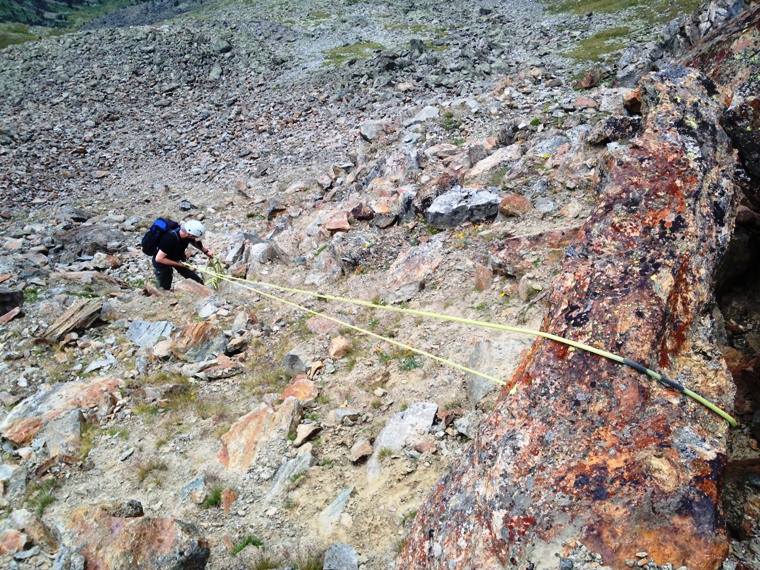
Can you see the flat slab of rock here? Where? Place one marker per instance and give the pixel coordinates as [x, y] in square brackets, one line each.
[484, 170]
[578, 448]
[146, 334]
[246, 438]
[25, 420]
[79, 316]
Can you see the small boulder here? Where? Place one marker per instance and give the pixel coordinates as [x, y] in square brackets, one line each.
[340, 346]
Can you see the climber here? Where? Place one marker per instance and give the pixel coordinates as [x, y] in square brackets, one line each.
[172, 254]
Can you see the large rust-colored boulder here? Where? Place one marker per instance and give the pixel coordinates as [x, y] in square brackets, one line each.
[25, 421]
[581, 449]
[256, 430]
[118, 543]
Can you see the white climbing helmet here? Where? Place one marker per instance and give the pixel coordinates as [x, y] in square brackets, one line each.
[194, 228]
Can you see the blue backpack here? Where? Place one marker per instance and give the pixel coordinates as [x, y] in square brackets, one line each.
[153, 236]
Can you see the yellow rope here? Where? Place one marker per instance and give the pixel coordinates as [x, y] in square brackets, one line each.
[245, 285]
[609, 355]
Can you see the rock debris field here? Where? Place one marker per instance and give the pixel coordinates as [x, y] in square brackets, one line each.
[422, 155]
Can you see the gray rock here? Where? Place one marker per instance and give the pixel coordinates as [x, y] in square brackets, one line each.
[402, 429]
[548, 146]
[195, 486]
[544, 205]
[426, 114]
[146, 334]
[216, 72]
[467, 425]
[73, 214]
[347, 416]
[296, 362]
[498, 359]
[459, 205]
[329, 517]
[370, 131]
[64, 433]
[287, 470]
[67, 559]
[221, 46]
[87, 240]
[26, 554]
[327, 269]
[340, 556]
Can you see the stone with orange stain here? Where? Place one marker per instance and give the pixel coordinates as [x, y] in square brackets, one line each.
[301, 388]
[249, 435]
[12, 541]
[585, 103]
[321, 325]
[483, 277]
[223, 367]
[578, 448]
[198, 341]
[25, 420]
[229, 496]
[338, 222]
[190, 286]
[340, 346]
[115, 543]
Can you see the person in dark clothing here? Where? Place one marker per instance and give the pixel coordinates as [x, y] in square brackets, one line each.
[172, 251]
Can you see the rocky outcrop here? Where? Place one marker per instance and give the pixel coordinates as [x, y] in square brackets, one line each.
[32, 414]
[580, 449]
[729, 57]
[122, 539]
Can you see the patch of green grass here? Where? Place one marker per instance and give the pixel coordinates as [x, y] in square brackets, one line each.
[484, 306]
[319, 15]
[87, 439]
[296, 476]
[657, 11]
[535, 122]
[606, 41]
[215, 497]
[247, 541]
[342, 54]
[265, 563]
[409, 516]
[42, 495]
[11, 34]
[31, 295]
[145, 409]
[497, 176]
[326, 462]
[151, 466]
[309, 562]
[450, 122]
[384, 452]
[121, 433]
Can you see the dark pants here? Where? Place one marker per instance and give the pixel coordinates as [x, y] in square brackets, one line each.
[164, 274]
